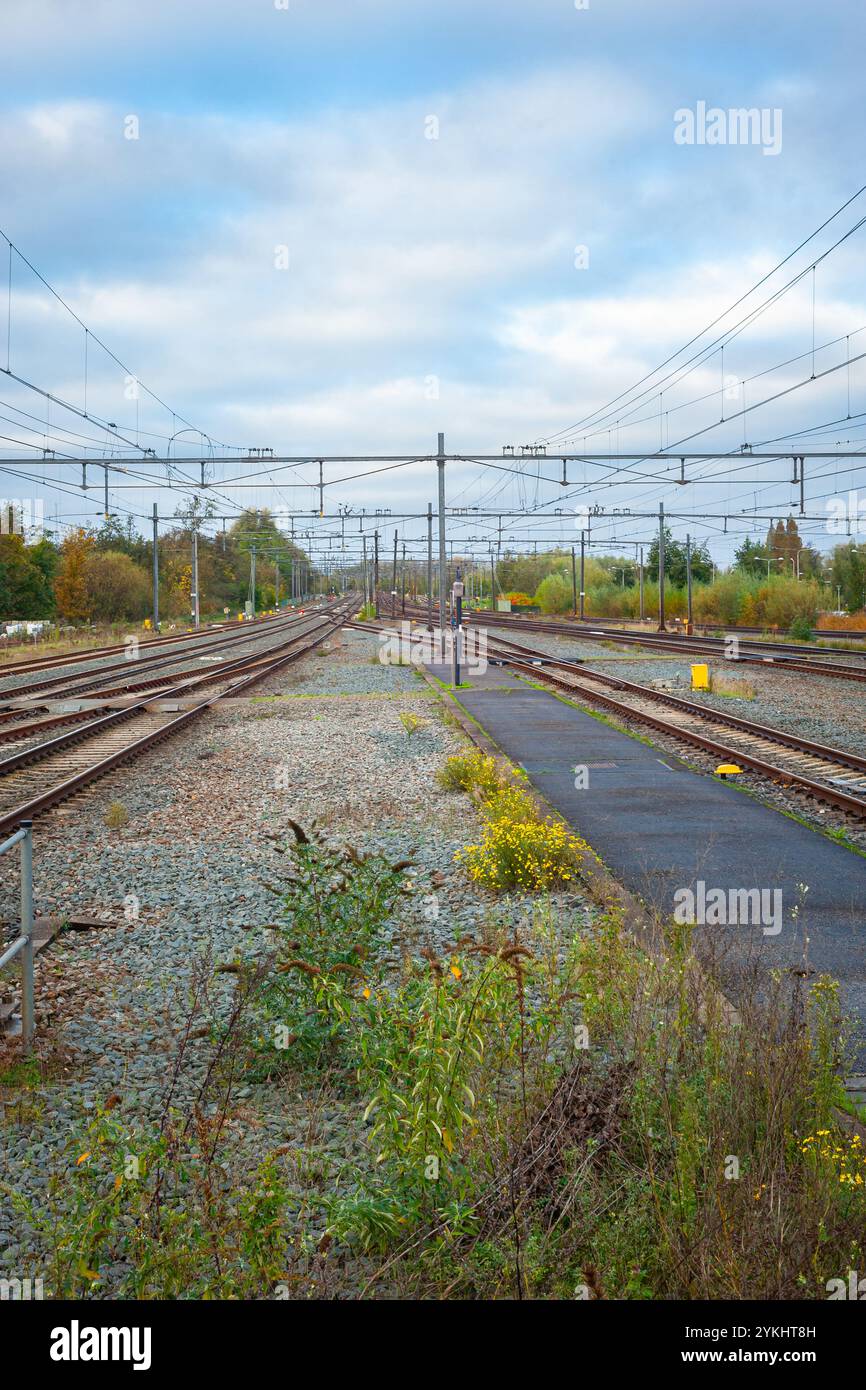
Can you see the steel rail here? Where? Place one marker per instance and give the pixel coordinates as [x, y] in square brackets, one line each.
[821, 791]
[782, 653]
[538, 661]
[61, 791]
[83, 681]
[841, 756]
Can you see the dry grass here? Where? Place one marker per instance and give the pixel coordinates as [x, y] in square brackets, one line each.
[116, 816]
[731, 687]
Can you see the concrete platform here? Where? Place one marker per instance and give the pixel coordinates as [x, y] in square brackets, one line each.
[494, 678]
[660, 827]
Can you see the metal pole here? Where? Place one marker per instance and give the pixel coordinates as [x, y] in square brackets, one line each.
[689, 580]
[277, 585]
[394, 581]
[376, 574]
[443, 576]
[582, 573]
[430, 566]
[195, 607]
[28, 1021]
[253, 578]
[573, 584]
[106, 492]
[641, 585]
[155, 570]
[364, 566]
[662, 627]
[403, 580]
[457, 609]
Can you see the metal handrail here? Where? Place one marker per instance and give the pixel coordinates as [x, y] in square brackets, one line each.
[23, 943]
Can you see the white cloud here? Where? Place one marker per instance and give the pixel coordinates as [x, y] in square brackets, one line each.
[409, 258]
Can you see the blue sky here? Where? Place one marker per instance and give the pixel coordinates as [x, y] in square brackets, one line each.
[431, 283]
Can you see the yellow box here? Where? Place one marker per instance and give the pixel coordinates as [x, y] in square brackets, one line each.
[701, 677]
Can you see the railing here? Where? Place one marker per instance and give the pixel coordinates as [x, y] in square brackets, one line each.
[23, 943]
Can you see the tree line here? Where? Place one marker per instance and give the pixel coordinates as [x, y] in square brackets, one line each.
[104, 574]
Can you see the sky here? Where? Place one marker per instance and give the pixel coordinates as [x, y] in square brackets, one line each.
[329, 228]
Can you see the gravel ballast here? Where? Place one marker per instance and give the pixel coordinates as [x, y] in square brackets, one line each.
[193, 876]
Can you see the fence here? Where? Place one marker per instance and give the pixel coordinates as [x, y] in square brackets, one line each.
[23, 943]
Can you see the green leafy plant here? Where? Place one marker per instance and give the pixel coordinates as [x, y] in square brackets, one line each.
[411, 722]
[467, 772]
[519, 848]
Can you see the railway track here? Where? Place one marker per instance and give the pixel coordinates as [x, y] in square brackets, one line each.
[46, 773]
[835, 776]
[151, 643]
[202, 645]
[770, 656]
[841, 634]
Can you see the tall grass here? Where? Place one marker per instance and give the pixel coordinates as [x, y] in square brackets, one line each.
[775, 602]
[550, 1110]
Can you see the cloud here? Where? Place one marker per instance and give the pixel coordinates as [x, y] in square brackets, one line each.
[410, 260]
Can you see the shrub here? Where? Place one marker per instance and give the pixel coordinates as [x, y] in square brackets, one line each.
[337, 912]
[411, 722]
[801, 629]
[116, 816]
[469, 771]
[520, 850]
[555, 594]
[783, 599]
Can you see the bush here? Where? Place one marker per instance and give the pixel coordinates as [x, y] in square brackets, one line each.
[518, 849]
[801, 629]
[783, 599]
[411, 722]
[555, 594]
[116, 587]
[468, 771]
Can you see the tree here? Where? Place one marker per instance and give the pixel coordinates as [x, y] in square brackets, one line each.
[25, 586]
[675, 562]
[117, 588]
[848, 574]
[117, 536]
[555, 594]
[751, 557]
[70, 584]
